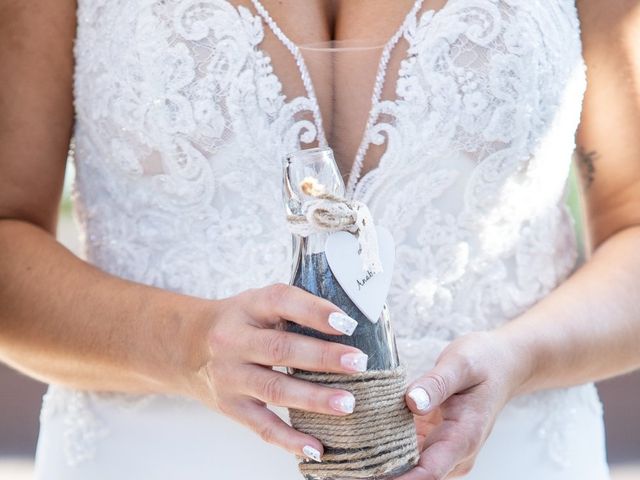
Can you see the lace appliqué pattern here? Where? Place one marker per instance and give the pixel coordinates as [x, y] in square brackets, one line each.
[182, 122]
[471, 265]
[82, 428]
[83, 425]
[558, 416]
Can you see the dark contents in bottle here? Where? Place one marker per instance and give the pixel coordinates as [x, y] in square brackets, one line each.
[315, 276]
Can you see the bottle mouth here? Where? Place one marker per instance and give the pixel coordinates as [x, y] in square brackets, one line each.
[307, 154]
[310, 171]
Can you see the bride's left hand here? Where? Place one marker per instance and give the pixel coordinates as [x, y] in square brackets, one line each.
[472, 380]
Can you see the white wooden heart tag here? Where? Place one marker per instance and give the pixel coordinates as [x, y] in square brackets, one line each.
[366, 289]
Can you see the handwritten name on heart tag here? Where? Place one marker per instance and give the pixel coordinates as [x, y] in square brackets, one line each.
[366, 289]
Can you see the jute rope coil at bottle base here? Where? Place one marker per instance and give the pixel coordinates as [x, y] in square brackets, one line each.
[376, 439]
[379, 437]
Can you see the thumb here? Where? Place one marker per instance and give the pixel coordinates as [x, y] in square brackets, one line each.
[449, 376]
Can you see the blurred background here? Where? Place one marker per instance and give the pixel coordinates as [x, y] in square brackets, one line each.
[20, 396]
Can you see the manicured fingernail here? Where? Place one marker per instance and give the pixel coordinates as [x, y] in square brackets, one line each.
[421, 397]
[354, 361]
[311, 452]
[343, 403]
[343, 323]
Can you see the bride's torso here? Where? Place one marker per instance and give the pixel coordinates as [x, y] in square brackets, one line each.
[185, 109]
[183, 120]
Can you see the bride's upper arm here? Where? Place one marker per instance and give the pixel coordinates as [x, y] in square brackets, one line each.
[608, 140]
[36, 106]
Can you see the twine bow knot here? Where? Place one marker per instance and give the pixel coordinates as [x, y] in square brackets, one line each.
[329, 213]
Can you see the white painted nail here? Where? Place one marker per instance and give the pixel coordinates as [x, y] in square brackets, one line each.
[343, 323]
[311, 452]
[343, 403]
[421, 397]
[355, 361]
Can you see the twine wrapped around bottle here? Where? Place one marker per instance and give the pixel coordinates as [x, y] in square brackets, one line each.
[378, 439]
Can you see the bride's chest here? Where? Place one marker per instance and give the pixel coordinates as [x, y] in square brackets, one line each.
[194, 51]
[475, 77]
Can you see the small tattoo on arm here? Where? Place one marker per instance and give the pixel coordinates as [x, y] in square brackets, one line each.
[586, 164]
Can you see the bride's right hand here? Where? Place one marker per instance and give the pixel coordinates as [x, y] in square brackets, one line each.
[243, 341]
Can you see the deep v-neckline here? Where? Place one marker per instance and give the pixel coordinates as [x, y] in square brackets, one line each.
[354, 179]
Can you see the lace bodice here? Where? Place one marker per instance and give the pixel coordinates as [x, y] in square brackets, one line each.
[183, 119]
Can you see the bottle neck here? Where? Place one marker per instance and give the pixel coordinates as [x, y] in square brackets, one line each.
[313, 243]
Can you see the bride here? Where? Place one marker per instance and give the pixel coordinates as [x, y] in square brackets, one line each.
[457, 130]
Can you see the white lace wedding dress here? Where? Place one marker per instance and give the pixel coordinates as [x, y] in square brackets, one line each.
[183, 117]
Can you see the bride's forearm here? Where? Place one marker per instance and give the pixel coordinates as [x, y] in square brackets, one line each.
[64, 321]
[588, 328]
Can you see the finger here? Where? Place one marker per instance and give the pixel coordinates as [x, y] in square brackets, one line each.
[277, 388]
[462, 469]
[436, 462]
[465, 423]
[464, 428]
[281, 301]
[274, 430]
[425, 424]
[450, 448]
[278, 348]
[452, 374]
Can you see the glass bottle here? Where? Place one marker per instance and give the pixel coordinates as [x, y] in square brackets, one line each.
[311, 271]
